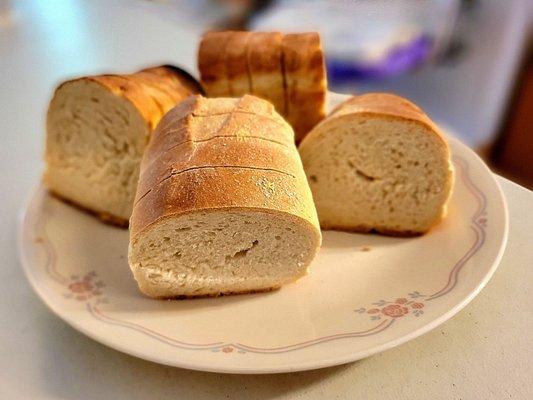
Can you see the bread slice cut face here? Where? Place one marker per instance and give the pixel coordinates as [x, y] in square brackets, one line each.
[378, 163]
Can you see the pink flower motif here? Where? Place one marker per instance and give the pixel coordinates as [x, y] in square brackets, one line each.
[80, 287]
[417, 305]
[227, 349]
[394, 310]
[401, 301]
[373, 311]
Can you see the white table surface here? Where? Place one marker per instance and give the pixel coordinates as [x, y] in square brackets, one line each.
[485, 352]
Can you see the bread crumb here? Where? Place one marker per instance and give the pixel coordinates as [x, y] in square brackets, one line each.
[39, 240]
[365, 248]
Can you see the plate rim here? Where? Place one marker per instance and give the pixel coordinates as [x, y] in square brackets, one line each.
[275, 368]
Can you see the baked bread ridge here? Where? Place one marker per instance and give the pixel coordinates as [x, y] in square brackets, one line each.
[393, 172]
[231, 139]
[305, 81]
[200, 119]
[97, 129]
[211, 229]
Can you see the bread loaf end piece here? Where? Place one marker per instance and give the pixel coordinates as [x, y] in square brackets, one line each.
[378, 163]
[97, 130]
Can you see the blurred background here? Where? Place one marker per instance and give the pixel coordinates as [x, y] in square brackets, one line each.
[468, 63]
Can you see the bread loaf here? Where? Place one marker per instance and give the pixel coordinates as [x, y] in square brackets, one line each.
[230, 212]
[378, 163]
[288, 70]
[305, 81]
[97, 129]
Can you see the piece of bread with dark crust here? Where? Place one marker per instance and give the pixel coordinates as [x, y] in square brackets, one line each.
[378, 163]
[222, 216]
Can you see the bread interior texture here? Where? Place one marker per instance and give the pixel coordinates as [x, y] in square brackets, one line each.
[94, 145]
[221, 252]
[385, 174]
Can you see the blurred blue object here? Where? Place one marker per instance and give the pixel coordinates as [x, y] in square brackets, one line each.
[368, 39]
[399, 59]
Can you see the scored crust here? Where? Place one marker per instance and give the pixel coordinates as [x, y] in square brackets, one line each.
[305, 80]
[232, 139]
[199, 119]
[225, 188]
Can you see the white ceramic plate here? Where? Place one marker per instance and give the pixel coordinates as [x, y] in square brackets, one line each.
[364, 293]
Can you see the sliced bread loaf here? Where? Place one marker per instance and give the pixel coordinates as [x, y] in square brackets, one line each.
[224, 214]
[378, 163]
[288, 70]
[97, 129]
[305, 81]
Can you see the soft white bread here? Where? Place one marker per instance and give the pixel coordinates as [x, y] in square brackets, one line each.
[228, 213]
[288, 70]
[305, 81]
[378, 163]
[97, 129]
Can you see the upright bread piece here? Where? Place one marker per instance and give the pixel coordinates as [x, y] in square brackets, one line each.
[378, 163]
[237, 69]
[97, 129]
[288, 70]
[227, 213]
[266, 69]
[305, 81]
[212, 63]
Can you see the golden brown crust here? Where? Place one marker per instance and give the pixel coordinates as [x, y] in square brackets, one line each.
[265, 66]
[102, 216]
[200, 119]
[222, 152]
[224, 188]
[165, 85]
[238, 72]
[134, 93]
[382, 104]
[212, 63]
[279, 187]
[305, 81]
